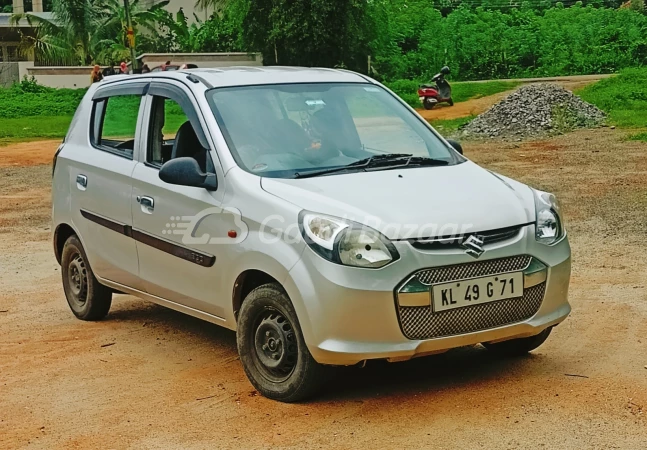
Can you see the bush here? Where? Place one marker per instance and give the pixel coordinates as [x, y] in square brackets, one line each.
[28, 98]
[30, 85]
[407, 90]
[415, 40]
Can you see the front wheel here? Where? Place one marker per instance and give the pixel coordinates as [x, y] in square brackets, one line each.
[451, 102]
[272, 349]
[518, 347]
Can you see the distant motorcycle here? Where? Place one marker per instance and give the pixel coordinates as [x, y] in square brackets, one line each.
[440, 92]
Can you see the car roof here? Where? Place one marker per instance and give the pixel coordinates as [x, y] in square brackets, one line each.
[250, 75]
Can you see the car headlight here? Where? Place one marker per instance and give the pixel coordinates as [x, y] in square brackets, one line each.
[345, 242]
[549, 227]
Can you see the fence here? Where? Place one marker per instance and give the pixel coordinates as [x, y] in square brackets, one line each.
[9, 73]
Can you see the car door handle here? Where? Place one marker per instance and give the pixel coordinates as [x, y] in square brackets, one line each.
[81, 182]
[148, 204]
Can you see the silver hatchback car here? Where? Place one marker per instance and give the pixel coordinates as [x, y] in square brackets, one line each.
[310, 210]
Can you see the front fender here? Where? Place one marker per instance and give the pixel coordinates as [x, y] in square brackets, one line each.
[255, 253]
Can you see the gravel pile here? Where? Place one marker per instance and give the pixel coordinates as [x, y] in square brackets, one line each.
[534, 110]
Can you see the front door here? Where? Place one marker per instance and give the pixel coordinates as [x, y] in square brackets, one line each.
[174, 225]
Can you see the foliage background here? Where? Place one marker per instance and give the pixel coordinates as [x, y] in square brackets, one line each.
[412, 39]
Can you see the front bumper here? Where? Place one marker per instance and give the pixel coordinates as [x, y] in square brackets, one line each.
[348, 315]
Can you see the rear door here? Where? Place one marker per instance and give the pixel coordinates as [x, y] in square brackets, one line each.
[100, 177]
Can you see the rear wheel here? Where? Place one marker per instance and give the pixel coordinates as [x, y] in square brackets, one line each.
[428, 103]
[272, 349]
[518, 347]
[87, 298]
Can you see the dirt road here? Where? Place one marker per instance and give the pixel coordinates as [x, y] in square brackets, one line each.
[468, 108]
[476, 106]
[148, 377]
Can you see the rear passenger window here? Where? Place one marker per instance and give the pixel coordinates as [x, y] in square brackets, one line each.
[115, 124]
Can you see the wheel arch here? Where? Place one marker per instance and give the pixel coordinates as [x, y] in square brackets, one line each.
[61, 234]
[245, 283]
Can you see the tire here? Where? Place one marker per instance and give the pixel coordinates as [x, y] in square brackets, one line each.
[428, 105]
[272, 349]
[87, 298]
[451, 102]
[518, 347]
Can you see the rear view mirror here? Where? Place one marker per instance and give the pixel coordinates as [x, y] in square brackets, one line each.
[457, 146]
[186, 172]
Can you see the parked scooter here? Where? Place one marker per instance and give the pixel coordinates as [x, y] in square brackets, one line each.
[441, 92]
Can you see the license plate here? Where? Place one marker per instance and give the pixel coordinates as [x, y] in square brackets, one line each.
[459, 294]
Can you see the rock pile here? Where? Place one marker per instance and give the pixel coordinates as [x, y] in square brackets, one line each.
[534, 110]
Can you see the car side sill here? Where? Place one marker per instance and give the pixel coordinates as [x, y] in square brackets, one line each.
[164, 302]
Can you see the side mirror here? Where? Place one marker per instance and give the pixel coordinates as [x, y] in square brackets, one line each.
[186, 172]
[457, 146]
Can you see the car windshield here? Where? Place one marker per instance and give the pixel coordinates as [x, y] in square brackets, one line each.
[286, 130]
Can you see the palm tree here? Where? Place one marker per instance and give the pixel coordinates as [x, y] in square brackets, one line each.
[113, 45]
[83, 32]
[218, 6]
[68, 38]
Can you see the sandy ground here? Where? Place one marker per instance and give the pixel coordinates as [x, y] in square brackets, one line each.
[148, 377]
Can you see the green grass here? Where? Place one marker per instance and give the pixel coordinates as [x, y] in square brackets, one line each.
[16, 103]
[408, 90]
[623, 98]
[34, 127]
[639, 137]
[448, 127]
[465, 91]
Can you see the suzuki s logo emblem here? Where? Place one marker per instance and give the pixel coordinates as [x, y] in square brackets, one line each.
[473, 246]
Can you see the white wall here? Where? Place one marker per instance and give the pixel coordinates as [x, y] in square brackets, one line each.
[61, 77]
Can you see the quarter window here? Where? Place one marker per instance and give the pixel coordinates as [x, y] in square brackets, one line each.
[114, 124]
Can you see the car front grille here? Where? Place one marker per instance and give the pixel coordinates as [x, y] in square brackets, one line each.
[420, 322]
[449, 242]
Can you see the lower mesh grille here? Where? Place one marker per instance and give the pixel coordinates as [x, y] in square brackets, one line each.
[420, 322]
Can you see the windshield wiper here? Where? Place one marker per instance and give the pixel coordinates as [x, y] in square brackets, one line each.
[378, 162]
[361, 164]
[424, 161]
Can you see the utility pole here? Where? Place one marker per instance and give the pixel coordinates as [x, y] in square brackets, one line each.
[130, 34]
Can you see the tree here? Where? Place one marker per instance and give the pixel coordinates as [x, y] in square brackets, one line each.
[310, 32]
[83, 32]
[219, 6]
[114, 43]
[68, 38]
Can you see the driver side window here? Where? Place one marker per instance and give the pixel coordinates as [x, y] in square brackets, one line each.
[172, 135]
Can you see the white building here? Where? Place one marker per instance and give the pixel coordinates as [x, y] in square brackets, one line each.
[188, 6]
[19, 6]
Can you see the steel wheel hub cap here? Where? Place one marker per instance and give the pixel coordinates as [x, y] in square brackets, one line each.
[275, 344]
[78, 279]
